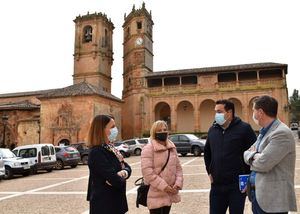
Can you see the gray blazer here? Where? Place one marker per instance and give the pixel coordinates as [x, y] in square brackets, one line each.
[275, 167]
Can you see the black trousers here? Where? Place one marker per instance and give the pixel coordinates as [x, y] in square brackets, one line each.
[226, 196]
[161, 210]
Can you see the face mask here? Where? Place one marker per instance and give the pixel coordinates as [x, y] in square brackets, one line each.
[113, 134]
[161, 136]
[220, 118]
[254, 119]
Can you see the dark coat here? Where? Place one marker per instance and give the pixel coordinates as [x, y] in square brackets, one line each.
[223, 151]
[106, 199]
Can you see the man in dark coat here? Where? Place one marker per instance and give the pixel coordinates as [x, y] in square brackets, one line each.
[227, 139]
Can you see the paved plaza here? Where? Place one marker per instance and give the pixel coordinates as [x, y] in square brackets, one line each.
[64, 191]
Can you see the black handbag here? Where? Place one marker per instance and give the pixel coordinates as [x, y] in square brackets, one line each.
[143, 189]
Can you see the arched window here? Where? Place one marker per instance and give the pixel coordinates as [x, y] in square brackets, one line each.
[87, 34]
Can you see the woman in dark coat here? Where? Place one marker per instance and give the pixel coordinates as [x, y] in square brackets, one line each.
[108, 171]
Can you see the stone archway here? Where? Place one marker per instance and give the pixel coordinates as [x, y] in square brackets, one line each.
[250, 113]
[163, 112]
[238, 107]
[207, 114]
[64, 142]
[185, 117]
[9, 139]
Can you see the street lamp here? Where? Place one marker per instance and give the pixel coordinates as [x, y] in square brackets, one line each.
[39, 131]
[4, 120]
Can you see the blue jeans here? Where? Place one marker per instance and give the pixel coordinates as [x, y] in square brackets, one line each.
[223, 196]
[255, 206]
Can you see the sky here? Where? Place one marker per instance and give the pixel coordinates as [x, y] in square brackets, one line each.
[37, 37]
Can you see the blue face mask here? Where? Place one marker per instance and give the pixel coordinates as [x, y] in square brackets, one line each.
[113, 134]
[220, 118]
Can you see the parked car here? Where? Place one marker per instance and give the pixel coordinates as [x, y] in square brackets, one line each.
[136, 145]
[41, 156]
[2, 168]
[123, 148]
[66, 156]
[14, 165]
[83, 150]
[188, 143]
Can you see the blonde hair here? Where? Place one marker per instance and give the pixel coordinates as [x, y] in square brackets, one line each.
[96, 133]
[156, 125]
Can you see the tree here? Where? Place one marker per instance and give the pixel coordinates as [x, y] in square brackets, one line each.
[295, 106]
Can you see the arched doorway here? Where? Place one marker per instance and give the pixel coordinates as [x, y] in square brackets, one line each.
[185, 117]
[64, 142]
[7, 139]
[250, 113]
[238, 108]
[163, 112]
[207, 114]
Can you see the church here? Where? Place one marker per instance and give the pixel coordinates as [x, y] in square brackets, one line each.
[184, 98]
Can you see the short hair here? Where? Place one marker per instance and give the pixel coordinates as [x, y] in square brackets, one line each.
[96, 133]
[228, 105]
[268, 104]
[157, 124]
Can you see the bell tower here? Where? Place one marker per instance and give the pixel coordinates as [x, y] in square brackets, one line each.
[137, 62]
[93, 51]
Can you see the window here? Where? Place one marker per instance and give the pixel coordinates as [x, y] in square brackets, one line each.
[183, 138]
[188, 80]
[130, 142]
[171, 81]
[174, 138]
[139, 25]
[45, 150]
[154, 82]
[226, 77]
[143, 141]
[87, 34]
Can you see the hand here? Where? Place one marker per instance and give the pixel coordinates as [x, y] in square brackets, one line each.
[252, 149]
[211, 178]
[244, 190]
[123, 173]
[176, 187]
[169, 189]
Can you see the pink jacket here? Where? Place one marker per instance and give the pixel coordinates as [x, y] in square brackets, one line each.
[153, 158]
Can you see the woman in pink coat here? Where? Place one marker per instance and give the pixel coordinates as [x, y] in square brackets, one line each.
[164, 185]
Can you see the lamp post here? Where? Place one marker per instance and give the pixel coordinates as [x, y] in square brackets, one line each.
[39, 131]
[4, 120]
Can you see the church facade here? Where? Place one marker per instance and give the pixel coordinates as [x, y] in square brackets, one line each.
[184, 98]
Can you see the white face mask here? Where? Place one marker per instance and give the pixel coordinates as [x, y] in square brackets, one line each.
[113, 134]
[254, 119]
[220, 118]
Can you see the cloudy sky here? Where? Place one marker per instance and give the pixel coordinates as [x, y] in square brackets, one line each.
[37, 37]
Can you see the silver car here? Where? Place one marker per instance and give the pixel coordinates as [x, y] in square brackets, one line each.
[136, 145]
[2, 168]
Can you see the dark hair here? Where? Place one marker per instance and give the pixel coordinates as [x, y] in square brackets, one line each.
[96, 133]
[268, 104]
[228, 105]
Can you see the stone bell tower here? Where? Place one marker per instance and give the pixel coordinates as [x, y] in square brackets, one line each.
[137, 62]
[93, 51]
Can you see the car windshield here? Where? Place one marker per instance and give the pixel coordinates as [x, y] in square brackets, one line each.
[192, 137]
[6, 153]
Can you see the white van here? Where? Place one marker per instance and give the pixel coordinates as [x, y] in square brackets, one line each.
[41, 156]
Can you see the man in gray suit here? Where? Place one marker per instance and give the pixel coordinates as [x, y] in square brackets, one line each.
[272, 159]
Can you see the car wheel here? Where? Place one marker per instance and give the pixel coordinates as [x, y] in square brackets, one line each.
[183, 154]
[74, 166]
[8, 173]
[137, 152]
[197, 151]
[59, 164]
[84, 159]
[33, 170]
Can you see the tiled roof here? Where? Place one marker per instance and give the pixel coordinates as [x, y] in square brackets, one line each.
[22, 105]
[242, 67]
[24, 94]
[79, 89]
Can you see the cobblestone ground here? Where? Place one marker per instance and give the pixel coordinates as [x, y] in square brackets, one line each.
[64, 191]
